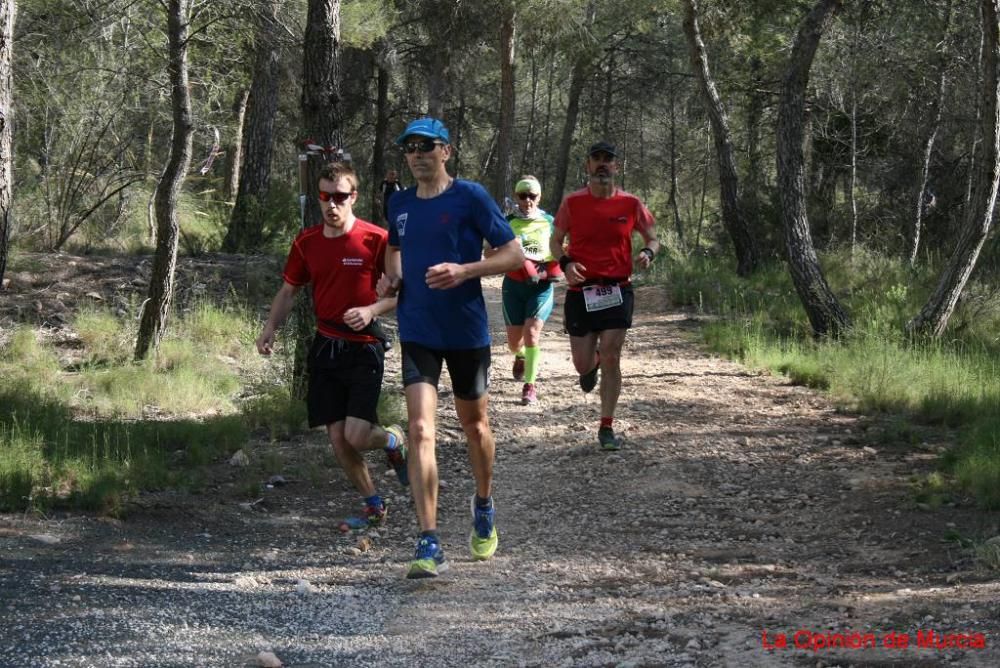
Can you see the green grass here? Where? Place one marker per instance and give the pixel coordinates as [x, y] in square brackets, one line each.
[876, 367]
[90, 431]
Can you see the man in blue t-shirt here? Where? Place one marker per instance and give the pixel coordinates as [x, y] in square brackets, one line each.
[434, 263]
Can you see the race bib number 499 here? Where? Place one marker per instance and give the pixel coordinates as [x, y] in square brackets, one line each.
[600, 297]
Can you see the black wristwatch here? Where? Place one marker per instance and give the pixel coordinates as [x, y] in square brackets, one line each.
[564, 262]
[648, 252]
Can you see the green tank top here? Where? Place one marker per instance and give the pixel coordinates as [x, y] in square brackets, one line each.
[534, 235]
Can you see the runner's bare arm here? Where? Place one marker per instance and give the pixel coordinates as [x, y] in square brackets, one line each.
[388, 284]
[449, 275]
[646, 227]
[573, 271]
[359, 317]
[281, 306]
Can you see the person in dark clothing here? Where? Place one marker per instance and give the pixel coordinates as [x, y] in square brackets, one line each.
[390, 185]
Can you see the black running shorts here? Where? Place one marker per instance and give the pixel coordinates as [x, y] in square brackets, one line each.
[581, 323]
[469, 368]
[345, 380]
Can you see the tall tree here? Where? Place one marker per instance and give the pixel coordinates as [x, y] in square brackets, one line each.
[161, 282]
[8, 10]
[825, 313]
[234, 155]
[382, 78]
[321, 121]
[246, 223]
[933, 317]
[581, 71]
[733, 217]
[505, 136]
[938, 103]
[321, 126]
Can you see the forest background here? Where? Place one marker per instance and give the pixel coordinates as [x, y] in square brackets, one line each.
[824, 175]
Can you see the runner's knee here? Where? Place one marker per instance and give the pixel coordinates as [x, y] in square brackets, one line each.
[357, 435]
[476, 430]
[421, 433]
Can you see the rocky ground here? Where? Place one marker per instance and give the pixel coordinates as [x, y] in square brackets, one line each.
[746, 522]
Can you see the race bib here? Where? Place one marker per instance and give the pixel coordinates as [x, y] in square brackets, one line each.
[600, 297]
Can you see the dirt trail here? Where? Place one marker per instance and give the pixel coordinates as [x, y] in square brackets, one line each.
[739, 506]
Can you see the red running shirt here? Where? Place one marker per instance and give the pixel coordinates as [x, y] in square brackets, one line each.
[600, 231]
[342, 270]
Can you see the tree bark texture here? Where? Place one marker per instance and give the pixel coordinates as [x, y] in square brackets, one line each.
[161, 282]
[246, 223]
[825, 313]
[733, 218]
[933, 317]
[505, 139]
[8, 10]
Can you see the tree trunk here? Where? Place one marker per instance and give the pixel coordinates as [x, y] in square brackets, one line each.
[974, 149]
[382, 76]
[853, 187]
[733, 218]
[933, 317]
[321, 124]
[529, 141]
[581, 69]
[161, 282]
[609, 98]
[234, 156]
[672, 197]
[547, 140]
[246, 223]
[925, 167]
[826, 315]
[8, 11]
[505, 139]
[754, 182]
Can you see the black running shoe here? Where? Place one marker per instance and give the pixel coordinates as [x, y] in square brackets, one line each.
[588, 381]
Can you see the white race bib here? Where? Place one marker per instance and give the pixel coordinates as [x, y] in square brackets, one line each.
[600, 297]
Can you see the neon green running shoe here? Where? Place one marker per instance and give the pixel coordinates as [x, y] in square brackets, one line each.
[428, 561]
[483, 540]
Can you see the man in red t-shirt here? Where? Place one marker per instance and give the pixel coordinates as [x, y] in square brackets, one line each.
[599, 220]
[343, 259]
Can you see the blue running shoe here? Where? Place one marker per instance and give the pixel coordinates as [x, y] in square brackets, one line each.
[428, 561]
[483, 541]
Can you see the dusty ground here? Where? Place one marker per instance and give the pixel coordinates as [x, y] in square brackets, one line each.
[741, 509]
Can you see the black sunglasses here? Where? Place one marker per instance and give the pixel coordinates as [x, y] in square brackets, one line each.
[531, 196]
[337, 197]
[424, 146]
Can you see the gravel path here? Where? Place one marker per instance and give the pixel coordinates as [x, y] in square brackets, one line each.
[740, 509]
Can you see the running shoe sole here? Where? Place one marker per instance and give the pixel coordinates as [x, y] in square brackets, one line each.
[425, 568]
